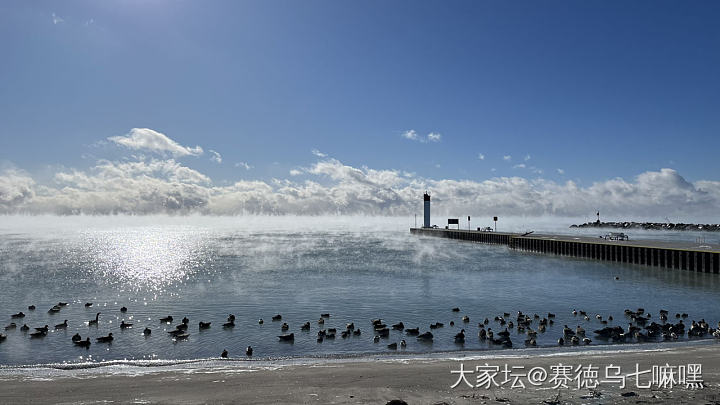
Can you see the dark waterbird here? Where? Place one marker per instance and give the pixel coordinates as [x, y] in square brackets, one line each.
[94, 321]
[82, 343]
[11, 325]
[249, 351]
[204, 325]
[61, 325]
[105, 339]
[412, 331]
[427, 337]
[18, 315]
[287, 338]
[224, 354]
[167, 319]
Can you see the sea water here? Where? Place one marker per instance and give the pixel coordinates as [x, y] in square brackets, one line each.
[357, 269]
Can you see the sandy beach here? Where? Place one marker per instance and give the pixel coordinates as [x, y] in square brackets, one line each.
[419, 381]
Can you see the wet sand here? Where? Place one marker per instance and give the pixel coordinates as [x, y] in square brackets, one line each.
[372, 382]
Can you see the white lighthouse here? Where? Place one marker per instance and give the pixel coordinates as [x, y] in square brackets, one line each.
[426, 210]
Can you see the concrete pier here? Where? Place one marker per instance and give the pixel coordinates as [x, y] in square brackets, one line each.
[697, 257]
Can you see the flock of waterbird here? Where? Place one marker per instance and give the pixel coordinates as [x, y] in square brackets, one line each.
[641, 328]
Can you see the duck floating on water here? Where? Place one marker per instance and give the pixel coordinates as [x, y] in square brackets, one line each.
[38, 334]
[412, 331]
[82, 343]
[61, 325]
[18, 315]
[105, 339]
[167, 319]
[94, 321]
[10, 326]
[147, 331]
[204, 325]
[287, 338]
[224, 354]
[76, 337]
[427, 337]
[249, 351]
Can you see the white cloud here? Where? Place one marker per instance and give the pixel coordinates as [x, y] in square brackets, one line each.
[318, 153]
[295, 172]
[153, 141]
[410, 134]
[56, 19]
[151, 186]
[216, 157]
[413, 136]
[434, 137]
[481, 156]
[561, 171]
[507, 158]
[519, 166]
[244, 165]
[16, 189]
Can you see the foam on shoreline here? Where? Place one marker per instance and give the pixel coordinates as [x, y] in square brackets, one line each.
[51, 371]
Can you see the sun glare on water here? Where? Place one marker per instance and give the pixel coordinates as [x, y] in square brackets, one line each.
[152, 258]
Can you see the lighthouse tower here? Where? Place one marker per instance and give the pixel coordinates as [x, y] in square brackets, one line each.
[426, 210]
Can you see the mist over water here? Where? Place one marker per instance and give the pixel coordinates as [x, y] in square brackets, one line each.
[356, 268]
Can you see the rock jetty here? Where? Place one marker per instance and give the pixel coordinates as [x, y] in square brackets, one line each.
[661, 226]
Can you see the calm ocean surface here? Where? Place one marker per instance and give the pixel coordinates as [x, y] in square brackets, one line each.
[356, 269]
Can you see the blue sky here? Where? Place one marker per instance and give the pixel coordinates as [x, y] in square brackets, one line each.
[598, 89]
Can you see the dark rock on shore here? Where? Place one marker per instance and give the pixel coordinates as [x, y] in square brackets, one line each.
[660, 226]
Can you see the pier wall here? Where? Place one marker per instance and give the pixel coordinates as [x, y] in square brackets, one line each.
[680, 256]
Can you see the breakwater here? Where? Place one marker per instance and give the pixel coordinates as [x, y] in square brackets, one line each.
[651, 226]
[696, 257]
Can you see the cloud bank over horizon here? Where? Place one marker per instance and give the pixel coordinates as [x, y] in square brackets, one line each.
[161, 184]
